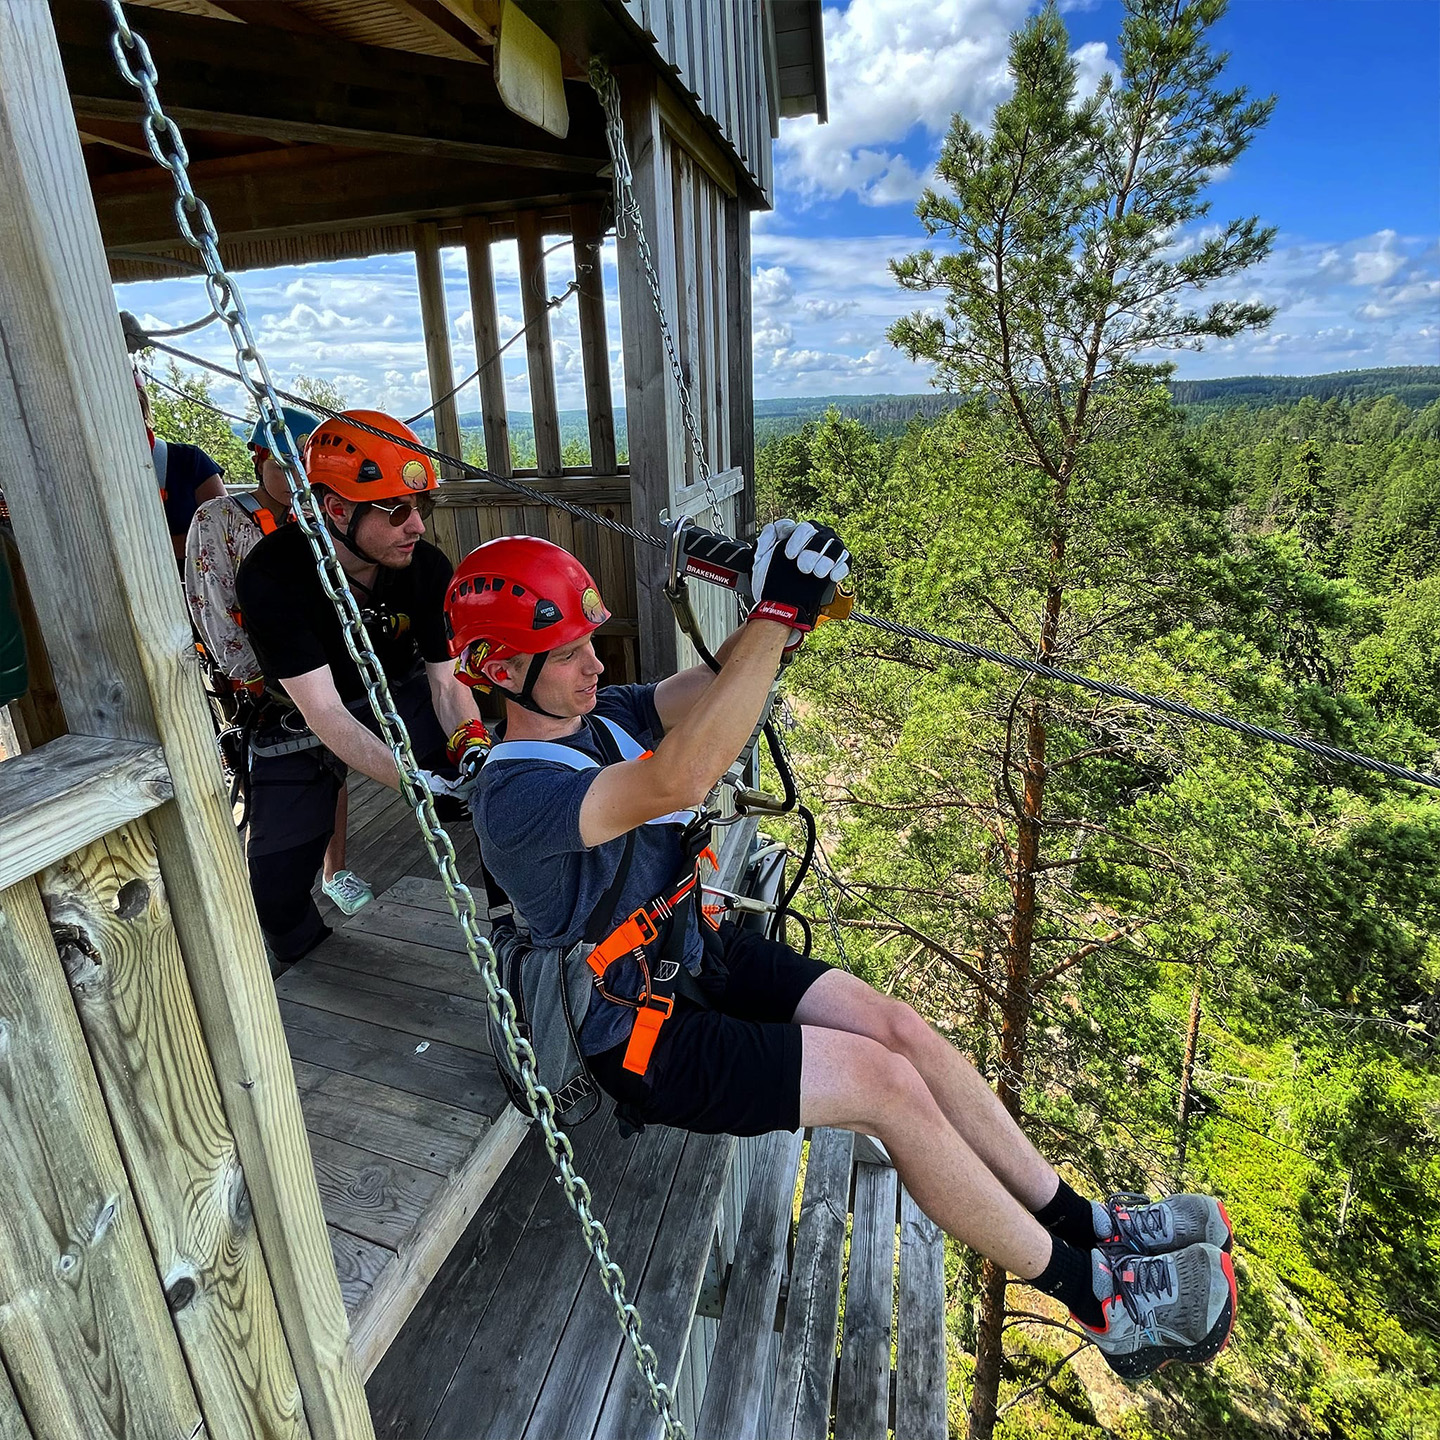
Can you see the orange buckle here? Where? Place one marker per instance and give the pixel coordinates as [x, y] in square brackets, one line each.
[652, 1013]
[636, 932]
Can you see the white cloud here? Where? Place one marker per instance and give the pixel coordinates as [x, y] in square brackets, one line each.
[1376, 266]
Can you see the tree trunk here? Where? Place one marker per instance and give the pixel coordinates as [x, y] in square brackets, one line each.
[989, 1351]
[1187, 1071]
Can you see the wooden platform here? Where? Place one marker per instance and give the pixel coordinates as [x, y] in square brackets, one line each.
[407, 1121]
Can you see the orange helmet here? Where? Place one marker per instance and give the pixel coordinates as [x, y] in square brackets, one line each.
[518, 596]
[357, 465]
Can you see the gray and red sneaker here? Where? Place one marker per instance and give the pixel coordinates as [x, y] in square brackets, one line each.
[1162, 1308]
[1157, 1227]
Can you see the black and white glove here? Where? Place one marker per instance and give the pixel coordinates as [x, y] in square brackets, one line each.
[797, 567]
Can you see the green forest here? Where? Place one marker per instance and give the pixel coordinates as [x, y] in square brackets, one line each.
[1185, 960]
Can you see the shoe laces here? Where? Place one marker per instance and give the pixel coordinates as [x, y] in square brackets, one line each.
[1141, 1278]
[348, 885]
[1136, 1218]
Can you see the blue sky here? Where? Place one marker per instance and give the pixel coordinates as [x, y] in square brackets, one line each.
[1348, 169]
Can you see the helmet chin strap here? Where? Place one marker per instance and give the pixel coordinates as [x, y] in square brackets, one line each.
[526, 697]
[347, 538]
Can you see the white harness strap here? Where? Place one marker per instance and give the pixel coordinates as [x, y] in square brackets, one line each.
[555, 753]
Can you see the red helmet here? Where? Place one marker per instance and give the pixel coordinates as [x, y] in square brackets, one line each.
[519, 596]
[357, 465]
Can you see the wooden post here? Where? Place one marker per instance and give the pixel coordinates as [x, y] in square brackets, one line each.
[739, 348]
[12, 1420]
[84, 1333]
[651, 405]
[594, 342]
[486, 325]
[106, 906]
[82, 494]
[437, 340]
[533, 297]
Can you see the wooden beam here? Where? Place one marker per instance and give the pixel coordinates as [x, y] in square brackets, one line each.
[85, 1336]
[74, 790]
[538, 352]
[436, 323]
[82, 494]
[588, 231]
[12, 1420]
[651, 405]
[280, 14]
[317, 87]
[107, 909]
[486, 325]
[739, 346]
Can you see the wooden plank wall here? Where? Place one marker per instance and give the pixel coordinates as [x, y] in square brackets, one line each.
[716, 51]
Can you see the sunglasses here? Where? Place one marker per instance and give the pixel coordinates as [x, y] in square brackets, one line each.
[399, 511]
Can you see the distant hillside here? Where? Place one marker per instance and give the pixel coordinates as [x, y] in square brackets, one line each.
[1413, 385]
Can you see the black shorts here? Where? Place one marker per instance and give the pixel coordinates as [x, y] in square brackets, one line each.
[733, 1070]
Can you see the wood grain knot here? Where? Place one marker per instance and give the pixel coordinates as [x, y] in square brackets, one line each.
[132, 900]
[180, 1294]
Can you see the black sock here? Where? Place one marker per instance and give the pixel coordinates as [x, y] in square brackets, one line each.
[1070, 1217]
[1068, 1278]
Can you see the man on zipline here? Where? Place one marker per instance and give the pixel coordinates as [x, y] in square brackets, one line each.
[578, 814]
[375, 495]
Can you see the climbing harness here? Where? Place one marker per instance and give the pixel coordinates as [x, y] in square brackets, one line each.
[132, 56]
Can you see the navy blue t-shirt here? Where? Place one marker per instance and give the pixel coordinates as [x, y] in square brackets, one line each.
[527, 819]
[187, 467]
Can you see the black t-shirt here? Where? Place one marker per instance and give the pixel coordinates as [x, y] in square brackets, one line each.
[187, 467]
[292, 624]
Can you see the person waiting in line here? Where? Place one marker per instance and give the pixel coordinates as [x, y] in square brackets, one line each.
[580, 815]
[188, 477]
[374, 495]
[224, 531]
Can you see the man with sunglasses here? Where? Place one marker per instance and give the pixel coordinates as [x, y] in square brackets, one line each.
[375, 487]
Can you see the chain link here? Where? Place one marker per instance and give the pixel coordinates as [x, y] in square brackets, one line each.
[165, 142]
[627, 210]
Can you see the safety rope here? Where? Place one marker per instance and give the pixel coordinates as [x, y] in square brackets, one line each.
[133, 58]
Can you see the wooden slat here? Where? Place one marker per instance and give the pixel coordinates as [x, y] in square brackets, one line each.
[401, 922]
[390, 1057]
[358, 1263]
[741, 356]
[806, 1371]
[399, 1287]
[409, 1385]
[862, 1405]
[425, 1133]
[426, 1014]
[12, 1421]
[594, 342]
[920, 1393]
[378, 1199]
[63, 795]
[735, 1394]
[687, 318]
[116, 632]
[651, 408]
[134, 1005]
[85, 1336]
[426, 966]
[436, 324]
[672, 1283]
[486, 325]
[538, 353]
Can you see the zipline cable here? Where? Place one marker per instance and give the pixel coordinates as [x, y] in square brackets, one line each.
[972, 651]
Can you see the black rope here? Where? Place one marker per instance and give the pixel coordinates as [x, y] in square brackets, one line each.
[1318, 748]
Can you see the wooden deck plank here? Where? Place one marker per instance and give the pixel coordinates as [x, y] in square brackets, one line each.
[378, 1199]
[426, 966]
[408, 1386]
[402, 922]
[423, 892]
[574, 1385]
[806, 1371]
[359, 1264]
[669, 1287]
[504, 1367]
[426, 1014]
[735, 1392]
[920, 1395]
[862, 1405]
[390, 1057]
[385, 1121]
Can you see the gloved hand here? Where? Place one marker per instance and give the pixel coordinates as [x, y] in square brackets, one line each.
[797, 566]
[468, 747]
[440, 785]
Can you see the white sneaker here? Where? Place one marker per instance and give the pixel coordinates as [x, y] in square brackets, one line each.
[348, 891]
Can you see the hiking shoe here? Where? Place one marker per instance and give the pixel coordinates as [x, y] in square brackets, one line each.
[349, 892]
[1160, 1308]
[1143, 1226]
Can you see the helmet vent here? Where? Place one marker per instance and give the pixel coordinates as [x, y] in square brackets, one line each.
[516, 589]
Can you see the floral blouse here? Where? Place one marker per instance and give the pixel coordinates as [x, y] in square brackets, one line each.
[221, 535]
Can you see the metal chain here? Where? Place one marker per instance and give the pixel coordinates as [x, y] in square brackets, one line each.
[627, 209]
[165, 142]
